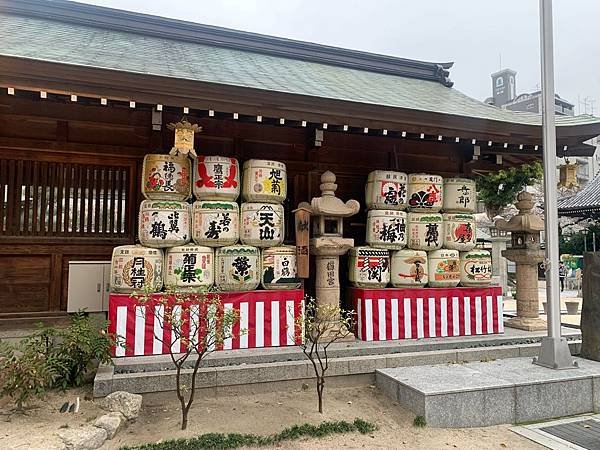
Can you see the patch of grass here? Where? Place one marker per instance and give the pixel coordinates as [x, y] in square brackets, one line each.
[236, 440]
[420, 422]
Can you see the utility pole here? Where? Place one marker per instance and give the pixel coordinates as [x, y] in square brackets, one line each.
[554, 352]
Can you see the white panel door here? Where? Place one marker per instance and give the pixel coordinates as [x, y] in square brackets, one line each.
[86, 286]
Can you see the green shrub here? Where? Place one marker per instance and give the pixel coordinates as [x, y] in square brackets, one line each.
[25, 373]
[420, 422]
[53, 358]
[75, 350]
[236, 440]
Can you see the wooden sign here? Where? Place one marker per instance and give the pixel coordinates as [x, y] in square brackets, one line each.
[302, 219]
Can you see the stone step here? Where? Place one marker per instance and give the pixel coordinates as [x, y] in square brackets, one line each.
[486, 393]
[155, 374]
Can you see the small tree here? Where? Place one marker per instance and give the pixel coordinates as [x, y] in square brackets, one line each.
[25, 373]
[499, 189]
[198, 324]
[322, 325]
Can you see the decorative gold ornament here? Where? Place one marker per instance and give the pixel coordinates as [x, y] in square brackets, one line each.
[184, 137]
[568, 175]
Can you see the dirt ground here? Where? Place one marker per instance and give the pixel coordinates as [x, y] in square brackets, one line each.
[263, 413]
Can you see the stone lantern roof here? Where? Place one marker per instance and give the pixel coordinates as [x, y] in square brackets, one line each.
[526, 221]
[328, 204]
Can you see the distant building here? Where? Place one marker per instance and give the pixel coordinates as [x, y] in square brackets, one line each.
[504, 95]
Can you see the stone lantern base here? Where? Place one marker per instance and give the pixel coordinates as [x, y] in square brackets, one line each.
[526, 323]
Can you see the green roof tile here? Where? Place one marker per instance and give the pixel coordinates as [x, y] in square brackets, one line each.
[61, 42]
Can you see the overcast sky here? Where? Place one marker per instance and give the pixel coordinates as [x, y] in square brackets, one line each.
[472, 33]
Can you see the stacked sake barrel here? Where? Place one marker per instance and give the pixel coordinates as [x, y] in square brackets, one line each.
[165, 255]
[259, 257]
[213, 240]
[431, 244]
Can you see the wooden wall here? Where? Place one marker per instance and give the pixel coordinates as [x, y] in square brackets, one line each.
[50, 143]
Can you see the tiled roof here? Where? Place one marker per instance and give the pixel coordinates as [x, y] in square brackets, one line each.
[587, 199]
[52, 40]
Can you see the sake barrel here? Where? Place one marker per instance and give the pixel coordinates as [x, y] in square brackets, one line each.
[386, 189]
[369, 267]
[444, 268]
[425, 231]
[409, 268]
[279, 268]
[215, 223]
[261, 224]
[189, 267]
[164, 223]
[216, 178]
[459, 232]
[386, 229]
[475, 268]
[237, 268]
[460, 195]
[425, 192]
[264, 181]
[136, 268]
[166, 177]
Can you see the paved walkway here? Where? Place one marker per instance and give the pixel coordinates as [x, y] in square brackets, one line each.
[510, 306]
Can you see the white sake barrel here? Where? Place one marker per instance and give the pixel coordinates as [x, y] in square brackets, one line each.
[386, 229]
[444, 268]
[237, 268]
[189, 267]
[460, 195]
[460, 232]
[475, 268]
[425, 192]
[261, 224]
[386, 189]
[409, 268]
[216, 178]
[164, 223]
[264, 181]
[136, 268]
[166, 177]
[369, 267]
[215, 223]
[279, 268]
[425, 231]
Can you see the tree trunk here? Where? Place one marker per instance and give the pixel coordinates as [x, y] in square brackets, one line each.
[590, 311]
[320, 386]
[184, 418]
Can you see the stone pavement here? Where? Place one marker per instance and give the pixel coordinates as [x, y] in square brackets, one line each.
[485, 393]
[510, 306]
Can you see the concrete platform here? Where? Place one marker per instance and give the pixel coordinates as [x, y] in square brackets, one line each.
[286, 368]
[497, 392]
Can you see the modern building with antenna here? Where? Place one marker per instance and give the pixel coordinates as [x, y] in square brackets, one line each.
[504, 95]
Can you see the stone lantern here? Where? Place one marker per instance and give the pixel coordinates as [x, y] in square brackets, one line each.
[327, 242]
[525, 251]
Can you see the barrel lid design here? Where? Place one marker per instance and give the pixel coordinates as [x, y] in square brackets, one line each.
[386, 213]
[236, 249]
[424, 217]
[190, 249]
[163, 204]
[475, 254]
[385, 175]
[458, 217]
[444, 253]
[208, 204]
[368, 251]
[262, 162]
[425, 177]
[458, 180]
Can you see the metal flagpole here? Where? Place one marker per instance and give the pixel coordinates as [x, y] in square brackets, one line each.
[554, 352]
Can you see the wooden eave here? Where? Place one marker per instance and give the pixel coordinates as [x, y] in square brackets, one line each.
[28, 74]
